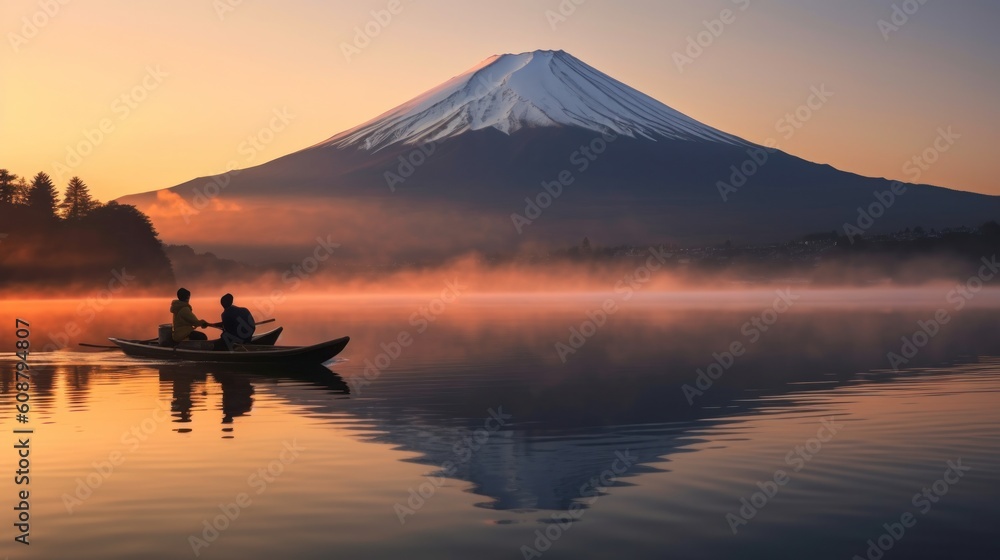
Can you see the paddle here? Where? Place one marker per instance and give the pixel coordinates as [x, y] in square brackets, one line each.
[99, 346]
[264, 322]
[215, 325]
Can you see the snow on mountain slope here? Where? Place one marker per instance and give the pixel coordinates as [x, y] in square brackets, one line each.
[536, 89]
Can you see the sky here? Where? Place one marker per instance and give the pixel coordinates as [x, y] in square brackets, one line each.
[135, 96]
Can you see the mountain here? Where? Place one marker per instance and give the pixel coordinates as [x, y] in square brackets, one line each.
[534, 150]
[543, 89]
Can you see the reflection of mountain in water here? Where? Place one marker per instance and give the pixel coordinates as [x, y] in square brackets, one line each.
[568, 423]
[621, 392]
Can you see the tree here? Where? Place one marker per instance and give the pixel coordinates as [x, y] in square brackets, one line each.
[585, 247]
[8, 186]
[21, 191]
[77, 202]
[127, 239]
[42, 196]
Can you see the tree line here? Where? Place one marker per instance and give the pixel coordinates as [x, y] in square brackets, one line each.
[74, 241]
[41, 198]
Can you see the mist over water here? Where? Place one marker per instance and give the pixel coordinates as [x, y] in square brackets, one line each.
[703, 392]
[465, 307]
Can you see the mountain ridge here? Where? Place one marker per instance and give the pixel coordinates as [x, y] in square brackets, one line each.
[535, 89]
[444, 173]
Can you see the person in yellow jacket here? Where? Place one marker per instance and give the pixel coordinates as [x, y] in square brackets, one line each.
[185, 321]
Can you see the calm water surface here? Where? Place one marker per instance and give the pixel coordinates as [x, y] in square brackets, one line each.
[477, 440]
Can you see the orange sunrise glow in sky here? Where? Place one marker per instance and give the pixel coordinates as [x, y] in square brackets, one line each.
[135, 96]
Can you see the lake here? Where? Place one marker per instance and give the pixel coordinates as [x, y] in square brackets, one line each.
[734, 424]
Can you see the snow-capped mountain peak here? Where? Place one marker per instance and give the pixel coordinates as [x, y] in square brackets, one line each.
[528, 90]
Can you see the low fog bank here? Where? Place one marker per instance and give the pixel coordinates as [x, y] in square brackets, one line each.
[912, 257]
[652, 270]
[649, 271]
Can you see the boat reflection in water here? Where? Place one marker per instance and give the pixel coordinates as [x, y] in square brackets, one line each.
[237, 386]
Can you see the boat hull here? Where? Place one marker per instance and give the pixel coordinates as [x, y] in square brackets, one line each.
[249, 354]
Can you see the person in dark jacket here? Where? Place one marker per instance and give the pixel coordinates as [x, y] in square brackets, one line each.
[185, 321]
[237, 323]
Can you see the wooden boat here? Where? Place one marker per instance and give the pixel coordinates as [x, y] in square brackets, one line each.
[265, 339]
[270, 338]
[244, 354]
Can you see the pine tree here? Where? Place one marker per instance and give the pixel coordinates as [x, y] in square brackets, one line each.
[8, 186]
[21, 191]
[42, 196]
[77, 203]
